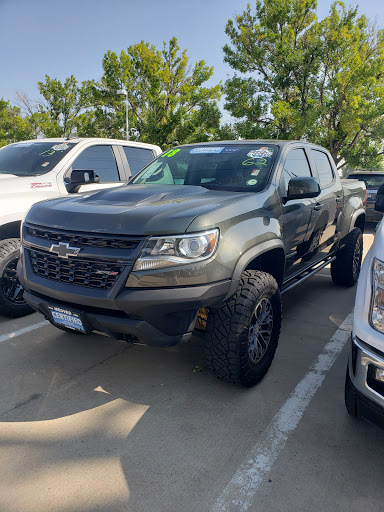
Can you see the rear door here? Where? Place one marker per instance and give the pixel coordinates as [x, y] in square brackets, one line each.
[329, 204]
[136, 158]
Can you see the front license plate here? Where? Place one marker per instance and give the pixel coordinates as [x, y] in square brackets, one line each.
[66, 318]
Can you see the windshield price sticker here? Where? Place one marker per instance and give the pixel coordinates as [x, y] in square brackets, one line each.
[231, 150]
[260, 153]
[60, 147]
[206, 150]
[251, 182]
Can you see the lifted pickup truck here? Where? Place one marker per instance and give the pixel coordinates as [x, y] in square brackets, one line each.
[206, 234]
[35, 170]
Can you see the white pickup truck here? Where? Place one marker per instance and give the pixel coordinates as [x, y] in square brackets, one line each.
[41, 169]
[364, 384]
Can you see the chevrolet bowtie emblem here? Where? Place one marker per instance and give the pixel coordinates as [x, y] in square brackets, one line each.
[64, 250]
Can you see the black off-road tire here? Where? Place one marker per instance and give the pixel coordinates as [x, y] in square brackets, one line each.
[350, 396]
[345, 269]
[12, 303]
[230, 331]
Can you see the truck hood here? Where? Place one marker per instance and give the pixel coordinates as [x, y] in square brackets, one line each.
[132, 209]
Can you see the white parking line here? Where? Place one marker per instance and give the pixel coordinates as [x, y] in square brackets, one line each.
[241, 489]
[14, 334]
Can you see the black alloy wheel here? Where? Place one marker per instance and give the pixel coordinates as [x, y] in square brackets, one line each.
[10, 285]
[12, 303]
[260, 330]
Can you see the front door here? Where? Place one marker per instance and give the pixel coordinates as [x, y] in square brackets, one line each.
[297, 213]
[102, 159]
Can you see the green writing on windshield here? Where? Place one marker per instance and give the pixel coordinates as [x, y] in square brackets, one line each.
[172, 153]
[252, 161]
[48, 152]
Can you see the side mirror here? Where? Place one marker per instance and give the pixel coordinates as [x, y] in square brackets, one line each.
[379, 205]
[80, 177]
[302, 188]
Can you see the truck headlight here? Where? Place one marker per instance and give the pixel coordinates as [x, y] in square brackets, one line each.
[169, 251]
[377, 305]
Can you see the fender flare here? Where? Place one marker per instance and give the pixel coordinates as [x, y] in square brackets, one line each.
[356, 214]
[249, 256]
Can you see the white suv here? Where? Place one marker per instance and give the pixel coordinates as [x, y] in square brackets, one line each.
[364, 385]
[35, 170]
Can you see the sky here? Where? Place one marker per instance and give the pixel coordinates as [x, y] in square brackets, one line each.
[61, 38]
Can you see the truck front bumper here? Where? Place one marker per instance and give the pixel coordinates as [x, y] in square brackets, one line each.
[362, 364]
[157, 317]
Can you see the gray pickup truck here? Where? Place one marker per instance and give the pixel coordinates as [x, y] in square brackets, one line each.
[207, 236]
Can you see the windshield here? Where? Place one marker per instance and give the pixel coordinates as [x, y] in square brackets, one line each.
[370, 180]
[239, 168]
[32, 158]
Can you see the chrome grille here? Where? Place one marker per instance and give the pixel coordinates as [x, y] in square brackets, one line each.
[76, 271]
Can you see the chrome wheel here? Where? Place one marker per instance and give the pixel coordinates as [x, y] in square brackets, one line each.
[10, 285]
[260, 330]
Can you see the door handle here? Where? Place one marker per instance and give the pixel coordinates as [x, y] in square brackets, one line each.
[318, 207]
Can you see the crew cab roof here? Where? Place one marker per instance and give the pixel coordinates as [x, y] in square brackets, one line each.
[276, 142]
[75, 140]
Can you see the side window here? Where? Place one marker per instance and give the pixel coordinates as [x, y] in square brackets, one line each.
[137, 158]
[296, 166]
[102, 160]
[324, 168]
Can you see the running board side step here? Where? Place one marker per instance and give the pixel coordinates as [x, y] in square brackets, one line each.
[306, 275]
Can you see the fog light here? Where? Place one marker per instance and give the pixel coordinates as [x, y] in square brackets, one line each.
[379, 375]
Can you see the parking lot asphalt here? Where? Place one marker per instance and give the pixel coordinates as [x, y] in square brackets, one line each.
[90, 424]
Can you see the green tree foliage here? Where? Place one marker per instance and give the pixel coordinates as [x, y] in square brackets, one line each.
[305, 78]
[13, 127]
[167, 101]
[57, 113]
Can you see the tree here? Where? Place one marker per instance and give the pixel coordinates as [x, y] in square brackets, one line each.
[13, 127]
[167, 100]
[56, 114]
[319, 80]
